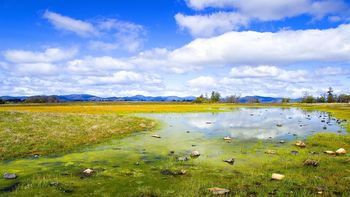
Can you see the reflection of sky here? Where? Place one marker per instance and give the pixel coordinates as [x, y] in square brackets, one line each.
[251, 123]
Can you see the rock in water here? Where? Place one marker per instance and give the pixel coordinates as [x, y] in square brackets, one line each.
[218, 191]
[9, 176]
[271, 152]
[279, 125]
[340, 151]
[278, 177]
[195, 154]
[227, 138]
[310, 162]
[230, 161]
[329, 152]
[156, 136]
[300, 144]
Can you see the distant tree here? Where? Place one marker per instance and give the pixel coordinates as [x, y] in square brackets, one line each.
[321, 99]
[200, 99]
[232, 99]
[285, 100]
[42, 99]
[215, 97]
[253, 100]
[308, 98]
[2, 101]
[330, 96]
[343, 98]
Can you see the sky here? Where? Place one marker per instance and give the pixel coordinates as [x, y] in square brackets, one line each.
[279, 48]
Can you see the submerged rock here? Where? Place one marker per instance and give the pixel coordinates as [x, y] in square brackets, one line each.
[310, 162]
[300, 144]
[195, 154]
[230, 161]
[279, 125]
[278, 177]
[9, 176]
[208, 122]
[156, 136]
[218, 191]
[271, 152]
[340, 151]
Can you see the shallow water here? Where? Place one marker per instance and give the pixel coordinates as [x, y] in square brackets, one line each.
[139, 154]
[251, 123]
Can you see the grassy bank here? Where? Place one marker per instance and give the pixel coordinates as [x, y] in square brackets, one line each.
[27, 134]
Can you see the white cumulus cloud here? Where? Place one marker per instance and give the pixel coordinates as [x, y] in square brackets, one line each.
[243, 12]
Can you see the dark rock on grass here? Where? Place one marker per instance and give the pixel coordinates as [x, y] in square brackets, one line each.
[294, 152]
[312, 163]
[218, 191]
[282, 142]
[230, 161]
[10, 188]
[61, 187]
[187, 131]
[314, 153]
[9, 176]
[173, 173]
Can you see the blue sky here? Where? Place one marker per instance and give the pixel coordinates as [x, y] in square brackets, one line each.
[174, 47]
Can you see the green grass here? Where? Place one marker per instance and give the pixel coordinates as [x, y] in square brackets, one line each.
[27, 134]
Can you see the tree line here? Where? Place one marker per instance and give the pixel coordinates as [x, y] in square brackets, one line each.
[216, 97]
[327, 97]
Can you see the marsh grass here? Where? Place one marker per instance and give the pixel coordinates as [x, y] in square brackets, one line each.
[28, 134]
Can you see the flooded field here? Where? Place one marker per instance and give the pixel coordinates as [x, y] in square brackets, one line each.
[187, 155]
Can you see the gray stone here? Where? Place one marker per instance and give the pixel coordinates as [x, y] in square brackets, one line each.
[9, 176]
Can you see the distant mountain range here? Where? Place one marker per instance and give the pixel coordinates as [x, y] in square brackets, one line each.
[88, 97]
